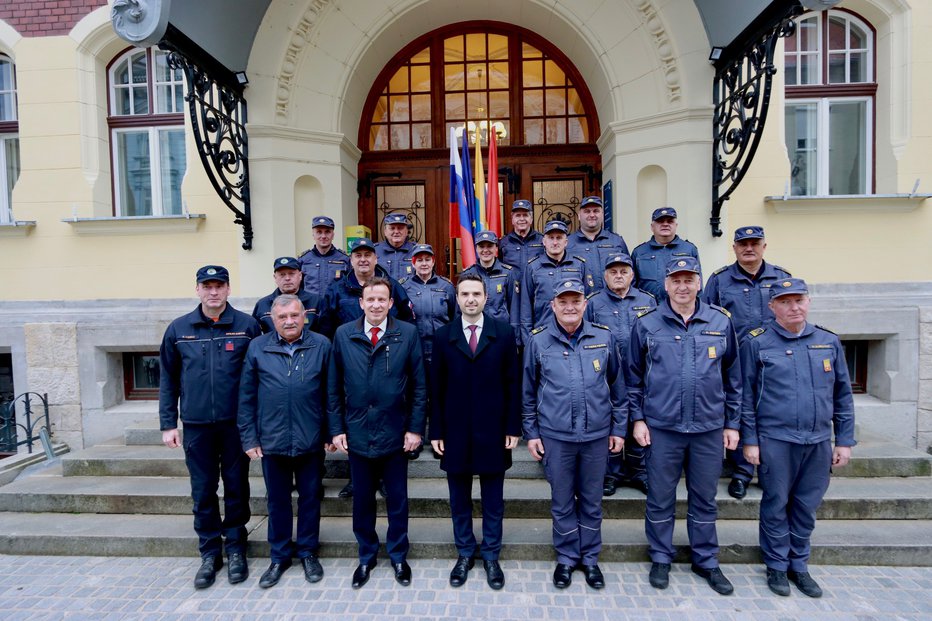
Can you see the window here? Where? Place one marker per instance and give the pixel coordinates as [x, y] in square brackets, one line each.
[146, 134]
[9, 139]
[829, 113]
[856, 358]
[141, 375]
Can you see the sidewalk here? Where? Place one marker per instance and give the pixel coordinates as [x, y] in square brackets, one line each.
[96, 588]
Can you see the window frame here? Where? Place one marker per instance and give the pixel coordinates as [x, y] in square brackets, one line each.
[824, 94]
[130, 391]
[9, 130]
[154, 121]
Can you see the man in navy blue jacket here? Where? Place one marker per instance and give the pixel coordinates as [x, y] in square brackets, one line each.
[201, 362]
[283, 421]
[377, 414]
[287, 274]
[796, 392]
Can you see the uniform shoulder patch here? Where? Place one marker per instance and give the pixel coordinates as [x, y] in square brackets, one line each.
[757, 332]
[599, 325]
[647, 312]
[723, 311]
[538, 330]
[721, 269]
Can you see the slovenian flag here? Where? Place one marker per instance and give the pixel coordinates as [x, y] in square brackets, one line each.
[462, 221]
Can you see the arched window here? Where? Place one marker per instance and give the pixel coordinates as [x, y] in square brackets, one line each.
[146, 134]
[9, 138]
[830, 92]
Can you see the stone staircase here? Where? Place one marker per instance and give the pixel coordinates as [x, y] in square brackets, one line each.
[130, 497]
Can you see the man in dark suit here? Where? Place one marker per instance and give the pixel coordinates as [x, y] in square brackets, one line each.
[475, 421]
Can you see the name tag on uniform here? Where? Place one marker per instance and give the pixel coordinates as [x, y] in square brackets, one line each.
[712, 353]
[827, 365]
[229, 346]
[596, 366]
[596, 346]
[713, 333]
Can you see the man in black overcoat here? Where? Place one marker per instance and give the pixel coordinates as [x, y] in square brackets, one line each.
[475, 422]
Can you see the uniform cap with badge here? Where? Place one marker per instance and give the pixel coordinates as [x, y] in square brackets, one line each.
[396, 218]
[663, 212]
[521, 204]
[487, 236]
[749, 232]
[557, 225]
[789, 286]
[286, 262]
[618, 259]
[591, 201]
[570, 285]
[322, 221]
[213, 272]
[683, 264]
[422, 249]
[363, 243]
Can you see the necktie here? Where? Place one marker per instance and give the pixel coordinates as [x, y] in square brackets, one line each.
[473, 341]
[375, 335]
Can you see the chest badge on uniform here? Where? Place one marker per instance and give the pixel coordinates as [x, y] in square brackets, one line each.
[498, 288]
[229, 346]
[597, 366]
[827, 365]
[336, 275]
[712, 353]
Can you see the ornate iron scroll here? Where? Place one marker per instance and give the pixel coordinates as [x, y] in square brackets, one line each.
[741, 95]
[217, 109]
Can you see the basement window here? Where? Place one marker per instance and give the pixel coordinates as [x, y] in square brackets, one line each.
[856, 357]
[141, 375]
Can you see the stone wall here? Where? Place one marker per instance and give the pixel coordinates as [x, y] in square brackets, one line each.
[52, 368]
[924, 423]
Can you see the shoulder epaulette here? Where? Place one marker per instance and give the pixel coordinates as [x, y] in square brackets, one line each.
[647, 293]
[723, 311]
[402, 280]
[304, 253]
[444, 278]
[647, 312]
[777, 267]
[638, 246]
[599, 325]
[592, 295]
[757, 332]
[505, 265]
[532, 259]
[721, 269]
[826, 329]
[576, 256]
[538, 330]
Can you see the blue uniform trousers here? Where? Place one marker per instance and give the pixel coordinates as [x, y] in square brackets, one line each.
[213, 451]
[795, 478]
[575, 471]
[282, 474]
[493, 511]
[667, 456]
[629, 465]
[367, 472]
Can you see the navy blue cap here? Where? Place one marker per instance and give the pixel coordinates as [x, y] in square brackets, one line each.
[363, 243]
[684, 264]
[557, 225]
[522, 204]
[487, 236]
[789, 286]
[749, 232]
[213, 272]
[618, 259]
[289, 262]
[421, 249]
[663, 212]
[322, 221]
[590, 200]
[571, 285]
[396, 218]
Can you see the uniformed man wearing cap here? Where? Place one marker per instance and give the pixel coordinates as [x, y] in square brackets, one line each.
[394, 250]
[591, 241]
[201, 361]
[287, 274]
[324, 263]
[500, 280]
[433, 298]
[683, 378]
[617, 306]
[743, 288]
[544, 272]
[523, 243]
[651, 257]
[796, 392]
[573, 412]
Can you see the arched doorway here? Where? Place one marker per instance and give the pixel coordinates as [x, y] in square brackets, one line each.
[475, 72]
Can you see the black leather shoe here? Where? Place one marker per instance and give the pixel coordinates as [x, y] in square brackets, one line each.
[313, 572]
[273, 574]
[207, 572]
[494, 574]
[347, 491]
[237, 568]
[737, 489]
[562, 576]
[638, 484]
[461, 571]
[659, 575]
[361, 575]
[594, 577]
[777, 582]
[609, 486]
[402, 573]
[805, 583]
[716, 579]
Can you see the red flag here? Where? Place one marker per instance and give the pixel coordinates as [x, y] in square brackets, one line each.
[493, 205]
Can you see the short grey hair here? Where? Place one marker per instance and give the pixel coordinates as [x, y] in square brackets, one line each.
[285, 299]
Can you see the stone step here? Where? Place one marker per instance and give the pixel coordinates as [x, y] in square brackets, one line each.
[873, 457]
[847, 498]
[903, 543]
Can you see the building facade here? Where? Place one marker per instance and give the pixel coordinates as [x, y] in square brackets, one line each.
[106, 209]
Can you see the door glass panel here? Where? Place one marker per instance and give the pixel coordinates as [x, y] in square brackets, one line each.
[407, 199]
[556, 198]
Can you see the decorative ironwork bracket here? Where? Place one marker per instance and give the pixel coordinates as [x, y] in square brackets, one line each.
[741, 95]
[217, 109]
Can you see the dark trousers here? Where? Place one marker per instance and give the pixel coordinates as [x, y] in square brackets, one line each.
[668, 454]
[213, 452]
[493, 512]
[629, 465]
[282, 474]
[794, 478]
[367, 472]
[576, 471]
[740, 468]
